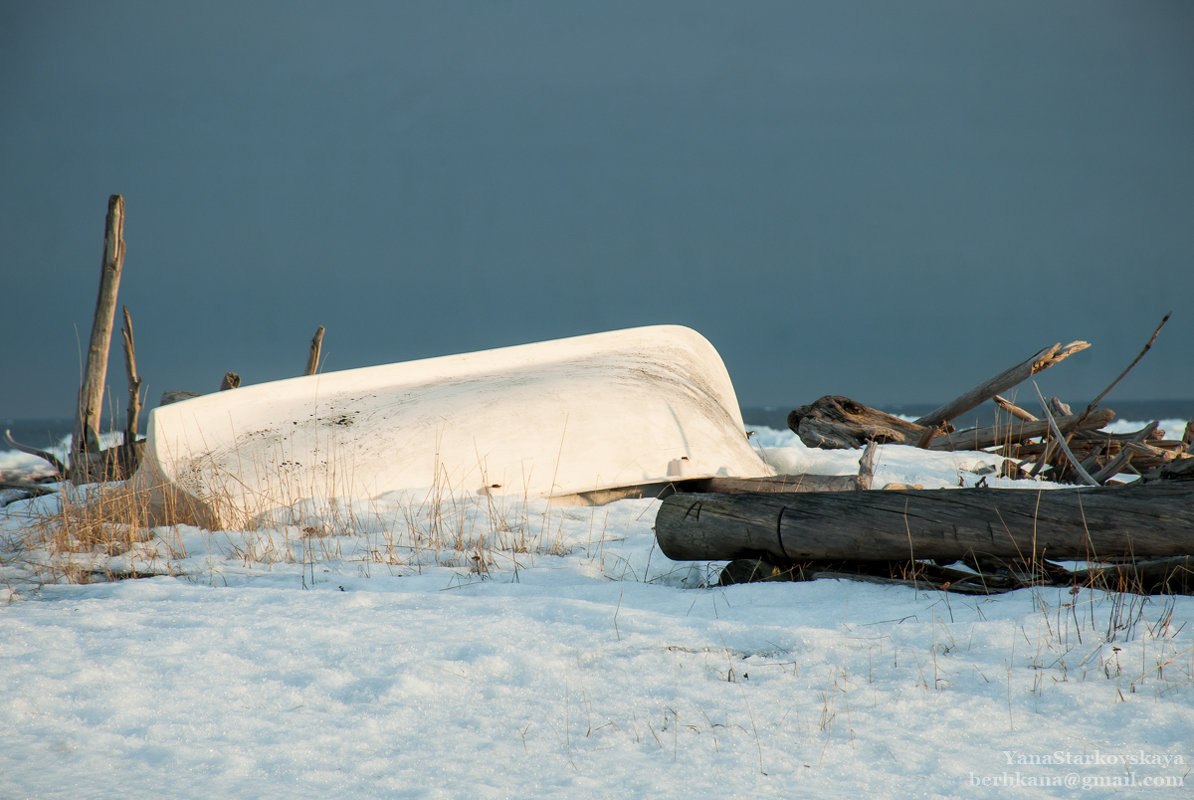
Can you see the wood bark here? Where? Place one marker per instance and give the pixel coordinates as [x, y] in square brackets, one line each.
[86, 461]
[948, 524]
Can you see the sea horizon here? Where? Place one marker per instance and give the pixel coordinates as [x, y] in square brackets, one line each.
[42, 432]
[1143, 411]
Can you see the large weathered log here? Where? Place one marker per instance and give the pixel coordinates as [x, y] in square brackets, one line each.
[835, 422]
[1042, 359]
[1142, 521]
[86, 464]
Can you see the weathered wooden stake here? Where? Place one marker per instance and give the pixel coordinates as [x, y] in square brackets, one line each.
[128, 450]
[313, 356]
[86, 462]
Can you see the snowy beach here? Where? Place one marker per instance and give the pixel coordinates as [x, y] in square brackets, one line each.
[431, 646]
[564, 253]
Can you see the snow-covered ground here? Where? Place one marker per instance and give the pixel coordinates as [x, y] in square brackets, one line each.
[423, 645]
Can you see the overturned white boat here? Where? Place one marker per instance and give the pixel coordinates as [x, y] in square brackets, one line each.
[578, 419]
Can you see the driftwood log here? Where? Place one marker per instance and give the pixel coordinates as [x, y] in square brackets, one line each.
[777, 483]
[1041, 360]
[130, 452]
[49, 457]
[1151, 576]
[724, 485]
[1152, 520]
[835, 422]
[86, 461]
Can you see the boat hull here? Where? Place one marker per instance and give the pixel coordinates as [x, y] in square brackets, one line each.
[559, 419]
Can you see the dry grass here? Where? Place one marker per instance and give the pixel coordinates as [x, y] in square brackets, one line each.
[95, 532]
[121, 530]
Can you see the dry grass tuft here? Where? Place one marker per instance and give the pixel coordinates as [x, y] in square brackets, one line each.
[89, 533]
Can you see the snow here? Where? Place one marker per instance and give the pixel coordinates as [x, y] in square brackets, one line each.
[427, 645]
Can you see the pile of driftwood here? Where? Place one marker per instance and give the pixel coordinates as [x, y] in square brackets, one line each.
[1135, 535]
[1067, 447]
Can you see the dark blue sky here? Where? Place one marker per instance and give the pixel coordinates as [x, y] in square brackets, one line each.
[891, 201]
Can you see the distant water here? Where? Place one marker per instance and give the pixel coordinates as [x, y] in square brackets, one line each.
[1143, 411]
[45, 433]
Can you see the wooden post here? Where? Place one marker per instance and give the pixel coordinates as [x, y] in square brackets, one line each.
[313, 356]
[86, 464]
[128, 451]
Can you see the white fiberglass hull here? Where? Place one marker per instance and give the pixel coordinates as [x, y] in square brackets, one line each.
[639, 406]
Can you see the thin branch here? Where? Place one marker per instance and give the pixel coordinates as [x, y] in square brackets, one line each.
[1065, 448]
[1135, 361]
[58, 466]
